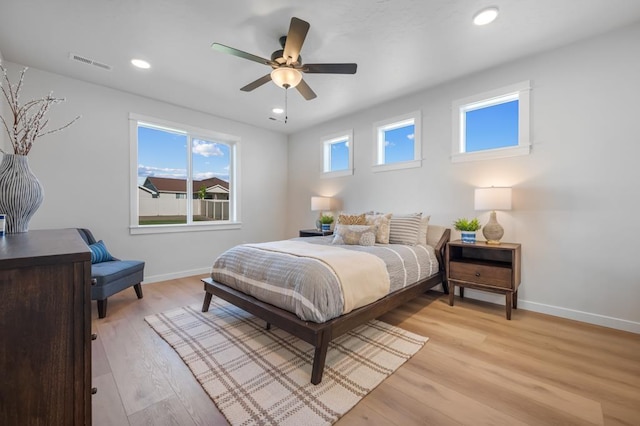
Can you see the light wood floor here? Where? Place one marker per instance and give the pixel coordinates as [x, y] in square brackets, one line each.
[476, 369]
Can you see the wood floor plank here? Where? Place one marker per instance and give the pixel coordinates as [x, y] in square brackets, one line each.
[99, 361]
[139, 382]
[477, 368]
[106, 404]
[168, 412]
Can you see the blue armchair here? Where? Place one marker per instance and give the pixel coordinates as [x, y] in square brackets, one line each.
[110, 275]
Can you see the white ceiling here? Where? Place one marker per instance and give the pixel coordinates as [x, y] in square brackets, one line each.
[400, 46]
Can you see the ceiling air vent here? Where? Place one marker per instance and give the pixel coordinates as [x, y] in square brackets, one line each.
[88, 61]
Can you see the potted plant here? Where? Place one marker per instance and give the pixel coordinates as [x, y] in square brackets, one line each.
[326, 221]
[467, 229]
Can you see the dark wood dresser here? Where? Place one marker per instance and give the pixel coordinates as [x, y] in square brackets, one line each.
[45, 329]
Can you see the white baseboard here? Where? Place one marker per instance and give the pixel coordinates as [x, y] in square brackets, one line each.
[558, 311]
[175, 275]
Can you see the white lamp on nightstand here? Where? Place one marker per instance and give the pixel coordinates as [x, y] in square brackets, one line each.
[493, 199]
[320, 204]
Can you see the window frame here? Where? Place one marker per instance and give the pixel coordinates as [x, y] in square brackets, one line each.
[397, 122]
[327, 142]
[192, 133]
[518, 91]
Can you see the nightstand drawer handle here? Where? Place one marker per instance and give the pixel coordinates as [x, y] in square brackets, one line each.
[477, 274]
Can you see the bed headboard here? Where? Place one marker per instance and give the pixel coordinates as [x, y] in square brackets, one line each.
[438, 237]
[434, 233]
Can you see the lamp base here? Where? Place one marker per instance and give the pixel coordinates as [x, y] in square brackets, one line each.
[492, 231]
[493, 242]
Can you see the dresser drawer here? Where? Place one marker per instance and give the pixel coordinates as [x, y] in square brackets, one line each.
[481, 274]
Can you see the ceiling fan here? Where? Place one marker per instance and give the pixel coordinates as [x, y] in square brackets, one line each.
[287, 63]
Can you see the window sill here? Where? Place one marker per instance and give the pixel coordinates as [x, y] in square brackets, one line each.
[167, 229]
[491, 154]
[397, 166]
[339, 173]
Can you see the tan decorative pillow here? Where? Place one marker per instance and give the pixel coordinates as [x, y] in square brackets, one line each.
[346, 219]
[424, 226]
[381, 222]
[361, 235]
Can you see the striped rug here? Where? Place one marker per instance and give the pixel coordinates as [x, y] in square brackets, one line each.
[258, 376]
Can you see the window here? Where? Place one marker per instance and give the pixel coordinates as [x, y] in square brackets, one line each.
[492, 125]
[183, 178]
[397, 143]
[337, 154]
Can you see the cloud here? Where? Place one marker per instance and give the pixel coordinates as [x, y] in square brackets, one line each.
[206, 149]
[387, 143]
[411, 136]
[150, 171]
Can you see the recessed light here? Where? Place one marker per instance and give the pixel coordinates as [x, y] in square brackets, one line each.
[486, 16]
[277, 110]
[141, 64]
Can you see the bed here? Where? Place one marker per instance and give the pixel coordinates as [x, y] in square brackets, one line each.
[311, 327]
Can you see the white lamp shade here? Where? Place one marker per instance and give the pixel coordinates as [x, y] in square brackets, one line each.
[493, 198]
[285, 76]
[320, 203]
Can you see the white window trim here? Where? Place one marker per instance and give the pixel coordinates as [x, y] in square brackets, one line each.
[393, 123]
[234, 178]
[327, 141]
[521, 92]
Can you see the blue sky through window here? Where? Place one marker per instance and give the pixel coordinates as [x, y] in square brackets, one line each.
[162, 153]
[492, 127]
[399, 144]
[339, 156]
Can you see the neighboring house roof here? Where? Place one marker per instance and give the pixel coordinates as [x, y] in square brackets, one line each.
[160, 184]
[149, 190]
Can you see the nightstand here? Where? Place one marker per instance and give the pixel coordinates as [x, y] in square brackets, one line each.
[494, 268]
[314, 233]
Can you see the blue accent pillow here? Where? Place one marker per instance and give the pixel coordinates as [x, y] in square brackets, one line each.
[99, 252]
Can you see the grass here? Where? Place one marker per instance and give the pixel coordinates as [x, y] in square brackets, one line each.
[169, 220]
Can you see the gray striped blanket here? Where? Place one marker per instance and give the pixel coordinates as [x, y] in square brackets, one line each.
[308, 287]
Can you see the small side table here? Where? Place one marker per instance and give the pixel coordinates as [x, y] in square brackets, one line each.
[494, 268]
[314, 233]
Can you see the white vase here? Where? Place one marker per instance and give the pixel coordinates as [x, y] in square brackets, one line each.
[20, 193]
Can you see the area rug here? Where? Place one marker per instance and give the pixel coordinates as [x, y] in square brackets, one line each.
[258, 376]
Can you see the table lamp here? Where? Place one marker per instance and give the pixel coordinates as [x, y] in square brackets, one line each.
[320, 204]
[493, 199]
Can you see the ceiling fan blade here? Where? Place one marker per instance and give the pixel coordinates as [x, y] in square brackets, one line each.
[330, 68]
[255, 84]
[239, 53]
[297, 32]
[305, 90]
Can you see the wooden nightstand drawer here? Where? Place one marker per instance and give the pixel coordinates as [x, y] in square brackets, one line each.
[481, 274]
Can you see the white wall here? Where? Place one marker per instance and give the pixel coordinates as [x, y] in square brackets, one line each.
[85, 173]
[576, 198]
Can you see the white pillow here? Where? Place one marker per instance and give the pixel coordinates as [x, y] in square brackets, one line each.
[424, 226]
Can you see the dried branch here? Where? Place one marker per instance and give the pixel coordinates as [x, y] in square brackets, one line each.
[29, 121]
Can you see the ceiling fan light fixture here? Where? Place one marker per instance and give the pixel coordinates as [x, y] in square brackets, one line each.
[286, 77]
[486, 16]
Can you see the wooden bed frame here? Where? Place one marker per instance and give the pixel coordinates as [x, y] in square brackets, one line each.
[320, 334]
